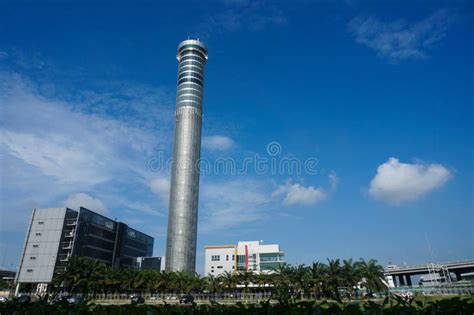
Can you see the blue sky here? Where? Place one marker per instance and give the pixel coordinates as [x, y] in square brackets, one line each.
[380, 95]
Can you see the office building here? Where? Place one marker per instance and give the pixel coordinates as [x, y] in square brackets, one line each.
[150, 263]
[56, 234]
[251, 256]
[184, 190]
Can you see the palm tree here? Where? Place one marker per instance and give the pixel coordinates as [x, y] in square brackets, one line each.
[372, 275]
[245, 278]
[228, 280]
[213, 283]
[195, 283]
[350, 274]
[300, 279]
[334, 277]
[319, 278]
[132, 279]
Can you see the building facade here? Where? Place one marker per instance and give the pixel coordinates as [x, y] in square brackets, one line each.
[184, 189]
[56, 234]
[244, 256]
[150, 263]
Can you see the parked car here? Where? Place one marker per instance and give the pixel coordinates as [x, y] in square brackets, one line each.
[23, 299]
[137, 299]
[186, 299]
[3, 299]
[68, 299]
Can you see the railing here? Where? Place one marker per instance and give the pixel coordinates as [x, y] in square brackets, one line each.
[255, 297]
[398, 268]
[67, 246]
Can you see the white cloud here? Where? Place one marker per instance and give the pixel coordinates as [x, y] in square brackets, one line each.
[243, 15]
[51, 148]
[161, 187]
[296, 194]
[228, 204]
[142, 207]
[78, 200]
[217, 143]
[397, 183]
[333, 180]
[399, 40]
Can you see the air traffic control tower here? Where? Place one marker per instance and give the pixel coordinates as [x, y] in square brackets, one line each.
[184, 190]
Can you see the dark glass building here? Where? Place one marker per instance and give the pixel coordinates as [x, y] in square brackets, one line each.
[109, 241]
[56, 234]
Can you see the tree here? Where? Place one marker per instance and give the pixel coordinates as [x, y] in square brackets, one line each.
[372, 274]
[334, 277]
[245, 278]
[213, 283]
[318, 278]
[350, 275]
[228, 280]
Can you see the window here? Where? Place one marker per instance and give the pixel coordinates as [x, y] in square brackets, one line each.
[226, 257]
[29, 270]
[40, 222]
[188, 79]
[32, 257]
[192, 57]
[35, 245]
[190, 46]
[38, 234]
[215, 258]
[219, 267]
[233, 257]
[192, 53]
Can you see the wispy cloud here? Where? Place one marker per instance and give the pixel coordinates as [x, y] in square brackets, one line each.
[397, 183]
[398, 40]
[75, 201]
[297, 194]
[229, 204]
[243, 15]
[161, 187]
[217, 143]
[52, 148]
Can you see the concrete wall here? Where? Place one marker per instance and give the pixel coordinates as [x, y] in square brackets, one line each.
[41, 247]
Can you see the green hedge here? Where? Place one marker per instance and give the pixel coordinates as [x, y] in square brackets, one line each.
[456, 305]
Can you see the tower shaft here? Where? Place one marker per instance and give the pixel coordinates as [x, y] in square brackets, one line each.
[184, 191]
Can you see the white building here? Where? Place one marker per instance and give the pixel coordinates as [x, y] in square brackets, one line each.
[245, 256]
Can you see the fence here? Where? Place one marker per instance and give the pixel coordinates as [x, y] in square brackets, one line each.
[255, 297]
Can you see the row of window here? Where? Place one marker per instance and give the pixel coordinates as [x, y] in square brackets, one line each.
[190, 46]
[183, 68]
[191, 63]
[218, 257]
[190, 86]
[188, 98]
[190, 74]
[192, 57]
[188, 79]
[193, 53]
[189, 91]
